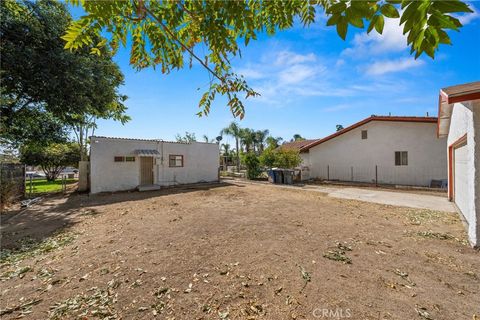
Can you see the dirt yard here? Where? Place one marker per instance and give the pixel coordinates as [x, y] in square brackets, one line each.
[235, 251]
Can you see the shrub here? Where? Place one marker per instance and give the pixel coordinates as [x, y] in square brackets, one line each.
[253, 165]
[267, 158]
[287, 158]
[282, 158]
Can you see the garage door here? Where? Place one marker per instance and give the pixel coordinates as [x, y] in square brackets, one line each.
[460, 191]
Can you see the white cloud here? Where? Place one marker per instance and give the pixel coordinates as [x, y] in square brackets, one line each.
[284, 77]
[389, 66]
[251, 73]
[291, 58]
[391, 40]
[298, 73]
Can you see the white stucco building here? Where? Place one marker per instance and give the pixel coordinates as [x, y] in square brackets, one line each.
[380, 149]
[459, 121]
[124, 164]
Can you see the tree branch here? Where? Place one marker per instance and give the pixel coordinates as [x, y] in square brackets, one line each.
[172, 35]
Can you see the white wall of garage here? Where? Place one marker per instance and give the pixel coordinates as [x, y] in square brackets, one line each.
[465, 119]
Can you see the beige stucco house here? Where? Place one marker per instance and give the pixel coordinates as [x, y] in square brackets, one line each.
[459, 121]
[124, 164]
[379, 149]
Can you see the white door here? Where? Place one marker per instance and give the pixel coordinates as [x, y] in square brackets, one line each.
[460, 172]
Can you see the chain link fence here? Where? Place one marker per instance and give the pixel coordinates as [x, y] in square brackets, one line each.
[378, 175]
[12, 182]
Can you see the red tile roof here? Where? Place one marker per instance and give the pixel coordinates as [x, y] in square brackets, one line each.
[365, 121]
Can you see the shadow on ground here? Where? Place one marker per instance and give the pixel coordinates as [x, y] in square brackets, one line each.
[57, 213]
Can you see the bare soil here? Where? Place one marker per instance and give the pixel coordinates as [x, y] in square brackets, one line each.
[233, 251]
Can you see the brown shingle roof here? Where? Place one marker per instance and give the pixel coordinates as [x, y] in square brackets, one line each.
[297, 144]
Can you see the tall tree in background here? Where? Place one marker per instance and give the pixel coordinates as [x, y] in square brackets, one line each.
[207, 139]
[247, 138]
[260, 139]
[234, 131]
[189, 137]
[273, 142]
[46, 90]
[164, 32]
[297, 137]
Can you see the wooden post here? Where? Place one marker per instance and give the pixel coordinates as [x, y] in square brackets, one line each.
[31, 186]
[376, 176]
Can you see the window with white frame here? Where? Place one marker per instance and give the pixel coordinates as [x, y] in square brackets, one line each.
[175, 160]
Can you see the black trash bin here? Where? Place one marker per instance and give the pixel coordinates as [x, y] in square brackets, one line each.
[288, 176]
[278, 176]
[271, 176]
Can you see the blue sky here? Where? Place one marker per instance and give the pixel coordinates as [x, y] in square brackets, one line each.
[309, 80]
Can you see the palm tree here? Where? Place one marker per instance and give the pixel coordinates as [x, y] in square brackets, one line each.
[260, 137]
[226, 149]
[247, 138]
[273, 142]
[234, 130]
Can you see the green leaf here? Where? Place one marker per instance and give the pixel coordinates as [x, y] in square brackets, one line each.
[338, 7]
[444, 38]
[333, 20]
[379, 24]
[451, 6]
[389, 11]
[443, 21]
[372, 24]
[410, 11]
[354, 20]
[342, 27]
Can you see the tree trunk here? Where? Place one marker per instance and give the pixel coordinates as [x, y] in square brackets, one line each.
[82, 154]
[238, 155]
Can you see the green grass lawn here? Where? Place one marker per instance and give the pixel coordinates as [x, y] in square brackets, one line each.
[44, 186]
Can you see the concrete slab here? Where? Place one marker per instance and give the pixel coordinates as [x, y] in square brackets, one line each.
[394, 198]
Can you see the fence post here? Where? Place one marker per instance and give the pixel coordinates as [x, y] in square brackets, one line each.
[328, 173]
[376, 176]
[30, 189]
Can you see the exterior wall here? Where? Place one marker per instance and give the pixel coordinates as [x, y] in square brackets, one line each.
[465, 119]
[83, 167]
[305, 159]
[201, 162]
[348, 157]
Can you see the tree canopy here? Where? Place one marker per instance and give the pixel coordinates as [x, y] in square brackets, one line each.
[47, 90]
[53, 158]
[171, 34]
